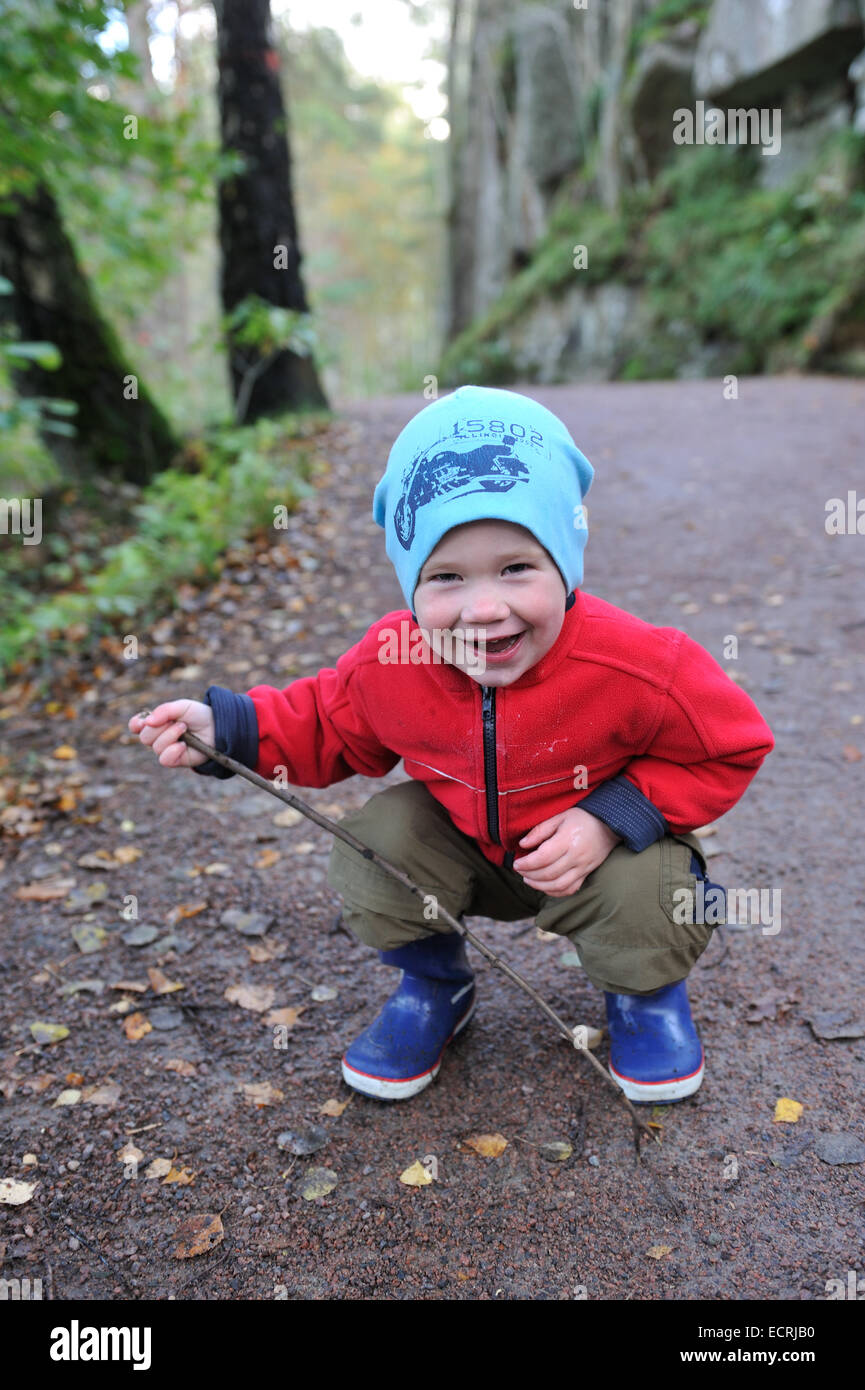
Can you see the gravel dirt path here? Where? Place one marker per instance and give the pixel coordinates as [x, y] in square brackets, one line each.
[705, 514]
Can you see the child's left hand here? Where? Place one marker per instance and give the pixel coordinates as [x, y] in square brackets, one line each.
[566, 848]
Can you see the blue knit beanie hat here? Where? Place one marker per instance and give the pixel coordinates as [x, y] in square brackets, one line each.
[483, 454]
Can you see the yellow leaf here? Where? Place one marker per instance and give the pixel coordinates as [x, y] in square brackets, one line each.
[136, 1026]
[657, 1252]
[488, 1145]
[333, 1107]
[787, 1110]
[267, 858]
[64, 752]
[317, 1183]
[416, 1175]
[49, 1032]
[183, 1176]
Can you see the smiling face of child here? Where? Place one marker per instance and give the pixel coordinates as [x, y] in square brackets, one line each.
[486, 582]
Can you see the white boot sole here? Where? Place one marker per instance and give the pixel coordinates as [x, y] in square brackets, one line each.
[651, 1092]
[382, 1089]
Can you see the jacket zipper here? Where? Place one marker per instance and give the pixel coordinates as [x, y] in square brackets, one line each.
[490, 780]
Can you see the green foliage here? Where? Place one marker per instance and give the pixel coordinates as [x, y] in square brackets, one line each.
[23, 418]
[663, 17]
[182, 524]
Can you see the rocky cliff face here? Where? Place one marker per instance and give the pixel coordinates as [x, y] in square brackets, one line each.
[556, 104]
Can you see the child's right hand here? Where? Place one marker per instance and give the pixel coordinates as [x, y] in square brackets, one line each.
[161, 730]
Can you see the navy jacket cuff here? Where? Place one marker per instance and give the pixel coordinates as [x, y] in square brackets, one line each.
[235, 730]
[622, 806]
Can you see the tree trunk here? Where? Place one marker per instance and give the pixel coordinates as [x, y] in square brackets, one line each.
[257, 230]
[118, 426]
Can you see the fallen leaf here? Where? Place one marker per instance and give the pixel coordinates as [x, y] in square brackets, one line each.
[852, 754]
[182, 1176]
[217, 868]
[107, 1094]
[89, 939]
[317, 1183]
[832, 1024]
[98, 859]
[305, 1139]
[160, 984]
[137, 1026]
[839, 1148]
[787, 1111]
[127, 854]
[65, 753]
[182, 1067]
[46, 890]
[158, 1168]
[185, 910]
[198, 1234]
[657, 1252]
[557, 1150]
[74, 1078]
[257, 998]
[14, 1193]
[488, 1145]
[287, 817]
[261, 1093]
[415, 1175]
[70, 1097]
[129, 1153]
[49, 1032]
[40, 1082]
[135, 986]
[322, 993]
[267, 858]
[333, 1107]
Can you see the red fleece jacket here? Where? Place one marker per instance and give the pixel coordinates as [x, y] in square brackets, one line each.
[615, 696]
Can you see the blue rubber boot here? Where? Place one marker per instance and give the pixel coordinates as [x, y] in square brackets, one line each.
[655, 1054]
[400, 1052]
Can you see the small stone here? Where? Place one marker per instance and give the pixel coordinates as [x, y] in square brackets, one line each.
[164, 1017]
[830, 1024]
[322, 993]
[73, 1163]
[594, 1160]
[247, 923]
[839, 1148]
[142, 935]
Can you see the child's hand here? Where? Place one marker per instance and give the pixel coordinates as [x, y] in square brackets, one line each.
[161, 731]
[566, 848]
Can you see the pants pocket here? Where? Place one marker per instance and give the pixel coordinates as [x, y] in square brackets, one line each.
[677, 886]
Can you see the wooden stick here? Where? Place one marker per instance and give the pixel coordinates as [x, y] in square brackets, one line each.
[345, 835]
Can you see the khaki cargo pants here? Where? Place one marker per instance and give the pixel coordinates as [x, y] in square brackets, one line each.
[621, 921]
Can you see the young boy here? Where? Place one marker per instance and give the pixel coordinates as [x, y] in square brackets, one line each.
[559, 750]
